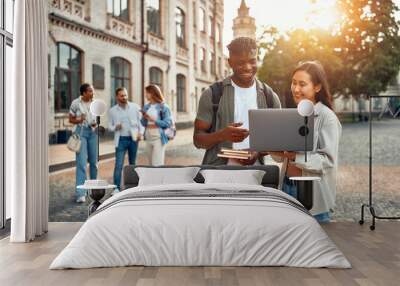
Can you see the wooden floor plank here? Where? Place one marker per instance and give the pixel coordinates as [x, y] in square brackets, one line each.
[374, 255]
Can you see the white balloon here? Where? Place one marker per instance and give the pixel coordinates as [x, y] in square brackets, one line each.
[98, 107]
[305, 107]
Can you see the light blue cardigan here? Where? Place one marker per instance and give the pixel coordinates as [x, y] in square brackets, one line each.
[163, 122]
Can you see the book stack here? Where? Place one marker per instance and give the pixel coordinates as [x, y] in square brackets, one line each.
[235, 154]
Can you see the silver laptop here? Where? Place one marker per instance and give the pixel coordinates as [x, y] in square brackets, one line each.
[279, 130]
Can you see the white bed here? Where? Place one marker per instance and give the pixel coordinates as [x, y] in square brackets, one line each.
[223, 225]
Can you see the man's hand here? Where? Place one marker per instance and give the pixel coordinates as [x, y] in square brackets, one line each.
[118, 126]
[139, 137]
[233, 133]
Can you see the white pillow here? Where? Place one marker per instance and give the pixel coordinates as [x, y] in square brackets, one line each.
[248, 177]
[166, 176]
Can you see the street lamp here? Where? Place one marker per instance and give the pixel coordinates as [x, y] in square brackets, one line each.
[305, 108]
[98, 108]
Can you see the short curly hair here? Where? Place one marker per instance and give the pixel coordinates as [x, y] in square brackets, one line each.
[242, 44]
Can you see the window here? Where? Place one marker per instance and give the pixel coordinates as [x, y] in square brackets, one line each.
[180, 92]
[6, 70]
[219, 66]
[154, 17]
[203, 59]
[202, 19]
[180, 27]
[195, 56]
[211, 26]
[9, 10]
[120, 76]
[194, 14]
[119, 9]
[218, 33]
[67, 79]
[212, 62]
[156, 77]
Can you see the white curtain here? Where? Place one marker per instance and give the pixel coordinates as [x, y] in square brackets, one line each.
[27, 136]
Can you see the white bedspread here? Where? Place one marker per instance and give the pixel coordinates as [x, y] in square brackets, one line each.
[183, 231]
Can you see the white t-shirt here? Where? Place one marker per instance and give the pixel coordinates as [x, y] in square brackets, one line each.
[245, 99]
[153, 112]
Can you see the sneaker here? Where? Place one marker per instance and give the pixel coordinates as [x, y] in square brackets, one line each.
[81, 199]
[116, 191]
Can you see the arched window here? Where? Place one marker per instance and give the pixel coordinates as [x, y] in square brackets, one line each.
[154, 17]
[120, 76]
[202, 20]
[212, 62]
[211, 27]
[218, 33]
[180, 27]
[156, 77]
[67, 79]
[180, 92]
[203, 59]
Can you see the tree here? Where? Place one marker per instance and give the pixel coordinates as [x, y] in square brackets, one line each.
[361, 54]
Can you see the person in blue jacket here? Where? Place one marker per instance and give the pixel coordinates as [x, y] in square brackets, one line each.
[156, 118]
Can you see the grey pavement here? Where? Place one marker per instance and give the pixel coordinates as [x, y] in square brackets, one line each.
[352, 188]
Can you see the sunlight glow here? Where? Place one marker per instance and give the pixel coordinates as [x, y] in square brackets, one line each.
[286, 14]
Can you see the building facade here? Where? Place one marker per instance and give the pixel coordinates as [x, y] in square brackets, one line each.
[102, 42]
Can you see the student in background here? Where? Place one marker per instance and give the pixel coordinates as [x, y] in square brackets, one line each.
[124, 120]
[85, 124]
[309, 81]
[156, 118]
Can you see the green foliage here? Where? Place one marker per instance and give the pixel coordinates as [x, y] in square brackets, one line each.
[361, 55]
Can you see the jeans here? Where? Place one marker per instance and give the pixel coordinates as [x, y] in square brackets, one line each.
[88, 152]
[125, 143]
[290, 188]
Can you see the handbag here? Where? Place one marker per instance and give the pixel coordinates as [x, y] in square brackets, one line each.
[74, 142]
[170, 131]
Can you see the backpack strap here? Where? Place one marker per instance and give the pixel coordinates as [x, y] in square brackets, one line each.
[217, 89]
[161, 110]
[268, 95]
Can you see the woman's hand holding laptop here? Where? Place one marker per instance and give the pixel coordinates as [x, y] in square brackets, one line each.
[284, 154]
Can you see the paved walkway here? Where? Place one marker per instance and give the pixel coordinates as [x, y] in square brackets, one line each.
[59, 154]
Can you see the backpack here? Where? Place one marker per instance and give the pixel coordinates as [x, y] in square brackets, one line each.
[170, 132]
[217, 89]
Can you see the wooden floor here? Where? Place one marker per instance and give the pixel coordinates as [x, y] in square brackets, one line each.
[374, 255]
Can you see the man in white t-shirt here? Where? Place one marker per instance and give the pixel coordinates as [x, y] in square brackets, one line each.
[239, 92]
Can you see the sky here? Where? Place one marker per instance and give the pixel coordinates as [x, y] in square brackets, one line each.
[283, 14]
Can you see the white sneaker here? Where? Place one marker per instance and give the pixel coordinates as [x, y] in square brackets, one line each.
[81, 199]
[116, 191]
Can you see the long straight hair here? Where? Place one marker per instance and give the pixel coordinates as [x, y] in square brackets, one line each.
[155, 92]
[318, 76]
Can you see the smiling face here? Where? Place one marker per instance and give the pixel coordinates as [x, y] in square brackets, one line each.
[88, 94]
[244, 67]
[303, 87]
[122, 97]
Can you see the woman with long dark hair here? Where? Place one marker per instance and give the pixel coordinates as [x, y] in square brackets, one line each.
[309, 81]
[156, 118]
